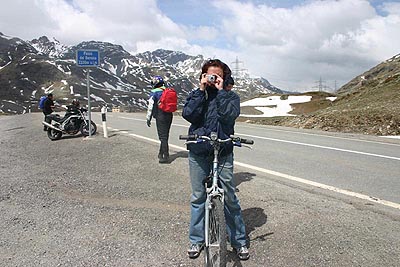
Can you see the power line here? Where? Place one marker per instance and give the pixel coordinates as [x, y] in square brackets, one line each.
[320, 85]
[237, 71]
[283, 80]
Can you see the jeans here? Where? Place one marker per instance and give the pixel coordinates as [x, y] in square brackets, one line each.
[200, 167]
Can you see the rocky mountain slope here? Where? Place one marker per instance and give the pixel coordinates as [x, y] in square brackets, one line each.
[368, 104]
[30, 69]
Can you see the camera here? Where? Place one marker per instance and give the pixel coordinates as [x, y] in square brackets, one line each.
[212, 78]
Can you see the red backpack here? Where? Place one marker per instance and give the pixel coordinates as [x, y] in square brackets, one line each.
[169, 100]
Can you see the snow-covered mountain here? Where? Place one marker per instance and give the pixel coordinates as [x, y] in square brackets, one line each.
[30, 69]
[53, 49]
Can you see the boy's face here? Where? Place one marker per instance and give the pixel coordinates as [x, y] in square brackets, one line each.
[215, 70]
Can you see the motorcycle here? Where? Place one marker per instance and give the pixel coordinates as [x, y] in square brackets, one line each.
[73, 122]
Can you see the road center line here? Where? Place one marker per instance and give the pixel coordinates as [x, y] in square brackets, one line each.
[134, 119]
[293, 142]
[318, 146]
[325, 136]
[296, 132]
[294, 178]
[319, 185]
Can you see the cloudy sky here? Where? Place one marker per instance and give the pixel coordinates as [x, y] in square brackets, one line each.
[291, 43]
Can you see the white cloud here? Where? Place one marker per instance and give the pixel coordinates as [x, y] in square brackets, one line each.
[391, 8]
[24, 19]
[180, 44]
[122, 21]
[294, 47]
[206, 33]
[291, 47]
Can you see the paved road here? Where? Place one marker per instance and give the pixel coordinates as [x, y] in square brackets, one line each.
[364, 165]
[107, 202]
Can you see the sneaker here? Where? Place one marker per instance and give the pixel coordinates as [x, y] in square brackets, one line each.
[243, 253]
[194, 250]
[163, 160]
[166, 157]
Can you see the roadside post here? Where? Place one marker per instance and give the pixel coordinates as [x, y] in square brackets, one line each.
[88, 58]
[103, 119]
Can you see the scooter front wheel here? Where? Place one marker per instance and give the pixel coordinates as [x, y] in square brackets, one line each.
[216, 250]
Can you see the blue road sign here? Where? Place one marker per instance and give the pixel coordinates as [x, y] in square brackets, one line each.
[87, 58]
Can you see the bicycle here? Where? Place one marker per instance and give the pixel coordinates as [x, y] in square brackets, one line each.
[215, 225]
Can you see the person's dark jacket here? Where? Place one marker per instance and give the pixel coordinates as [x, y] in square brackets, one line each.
[211, 111]
[47, 106]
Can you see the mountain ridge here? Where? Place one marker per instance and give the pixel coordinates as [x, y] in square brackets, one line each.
[29, 69]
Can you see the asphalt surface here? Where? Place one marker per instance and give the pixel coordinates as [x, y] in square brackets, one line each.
[367, 165]
[107, 202]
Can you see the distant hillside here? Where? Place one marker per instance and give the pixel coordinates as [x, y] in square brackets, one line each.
[30, 69]
[368, 104]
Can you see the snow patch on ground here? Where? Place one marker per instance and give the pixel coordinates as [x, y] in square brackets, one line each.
[111, 68]
[331, 98]
[97, 98]
[48, 90]
[8, 63]
[6, 37]
[59, 67]
[281, 107]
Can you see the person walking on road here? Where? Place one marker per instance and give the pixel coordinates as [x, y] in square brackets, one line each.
[48, 108]
[162, 112]
[213, 107]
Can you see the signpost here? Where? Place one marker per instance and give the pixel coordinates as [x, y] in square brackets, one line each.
[88, 59]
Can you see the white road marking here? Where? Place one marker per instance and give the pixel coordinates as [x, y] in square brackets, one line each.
[318, 146]
[294, 178]
[157, 141]
[319, 185]
[134, 119]
[321, 135]
[297, 143]
[296, 132]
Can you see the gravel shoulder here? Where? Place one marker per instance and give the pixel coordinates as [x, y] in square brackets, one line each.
[107, 202]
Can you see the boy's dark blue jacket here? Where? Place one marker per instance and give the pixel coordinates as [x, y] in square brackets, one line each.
[211, 111]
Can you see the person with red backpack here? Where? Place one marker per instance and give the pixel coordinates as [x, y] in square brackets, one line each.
[162, 103]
